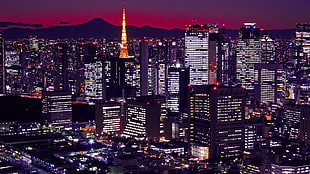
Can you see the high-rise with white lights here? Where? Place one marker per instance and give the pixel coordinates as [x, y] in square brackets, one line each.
[270, 86]
[196, 53]
[248, 54]
[108, 118]
[57, 108]
[296, 122]
[302, 41]
[201, 53]
[143, 120]
[268, 46]
[94, 80]
[216, 121]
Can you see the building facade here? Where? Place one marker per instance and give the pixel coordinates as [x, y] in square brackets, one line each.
[217, 120]
[57, 108]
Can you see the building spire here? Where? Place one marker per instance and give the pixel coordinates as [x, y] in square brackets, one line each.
[124, 44]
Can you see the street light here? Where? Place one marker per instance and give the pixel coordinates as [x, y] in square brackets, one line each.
[91, 142]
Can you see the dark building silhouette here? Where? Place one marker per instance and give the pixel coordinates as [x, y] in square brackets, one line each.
[82, 112]
[20, 109]
[2, 68]
[61, 82]
[122, 77]
[226, 55]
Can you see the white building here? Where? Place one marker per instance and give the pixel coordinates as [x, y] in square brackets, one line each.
[94, 88]
[287, 169]
[196, 53]
[248, 54]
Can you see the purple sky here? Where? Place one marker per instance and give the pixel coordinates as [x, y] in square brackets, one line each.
[268, 14]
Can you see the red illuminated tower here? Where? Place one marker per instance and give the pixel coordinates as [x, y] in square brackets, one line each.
[124, 44]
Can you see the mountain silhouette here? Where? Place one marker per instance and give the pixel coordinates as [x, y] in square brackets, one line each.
[99, 28]
[96, 28]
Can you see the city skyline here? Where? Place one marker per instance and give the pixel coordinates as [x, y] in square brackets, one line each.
[205, 99]
[162, 14]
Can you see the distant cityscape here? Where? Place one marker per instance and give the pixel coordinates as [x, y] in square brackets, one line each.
[199, 100]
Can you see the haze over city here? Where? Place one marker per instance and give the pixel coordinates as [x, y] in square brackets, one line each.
[275, 14]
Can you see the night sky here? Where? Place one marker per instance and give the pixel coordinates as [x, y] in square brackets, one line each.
[269, 14]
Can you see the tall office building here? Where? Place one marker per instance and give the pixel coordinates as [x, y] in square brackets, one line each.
[200, 57]
[214, 54]
[270, 86]
[296, 122]
[143, 120]
[130, 76]
[248, 54]
[153, 73]
[2, 67]
[61, 76]
[144, 67]
[226, 66]
[165, 57]
[173, 98]
[57, 108]
[56, 77]
[94, 80]
[76, 67]
[216, 127]
[268, 47]
[122, 77]
[156, 57]
[253, 133]
[302, 42]
[177, 89]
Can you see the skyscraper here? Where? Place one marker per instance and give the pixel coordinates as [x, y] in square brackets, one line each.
[248, 53]
[226, 61]
[200, 53]
[56, 68]
[124, 43]
[268, 48]
[2, 68]
[145, 67]
[173, 99]
[177, 89]
[216, 121]
[149, 68]
[61, 69]
[270, 86]
[143, 119]
[196, 53]
[94, 80]
[302, 41]
[296, 122]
